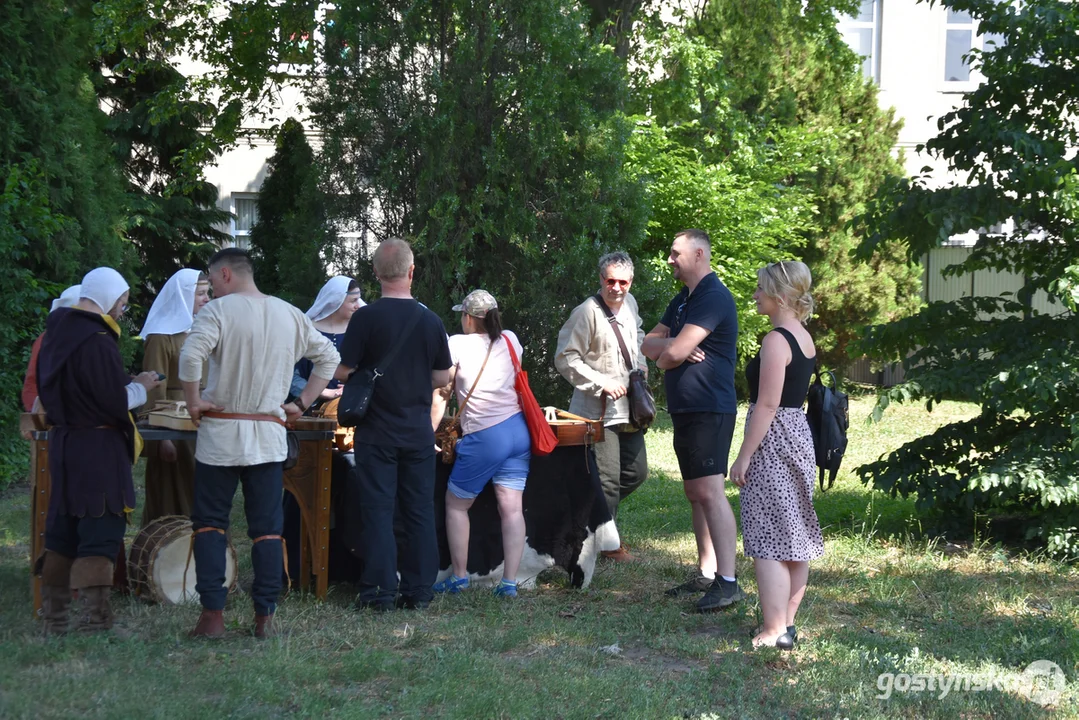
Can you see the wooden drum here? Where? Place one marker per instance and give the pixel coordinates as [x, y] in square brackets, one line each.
[161, 556]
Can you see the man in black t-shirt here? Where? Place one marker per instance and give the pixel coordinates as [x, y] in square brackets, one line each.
[695, 344]
[395, 444]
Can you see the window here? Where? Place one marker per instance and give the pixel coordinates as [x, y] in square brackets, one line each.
[861, 32]
[297, 34]
[960, 37]
[245, 208]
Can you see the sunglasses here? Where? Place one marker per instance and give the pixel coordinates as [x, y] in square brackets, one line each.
[612, 282]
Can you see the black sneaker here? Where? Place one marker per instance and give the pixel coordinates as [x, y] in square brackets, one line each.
[374, 606]
[697, 584]
[721, 594]
[406, 602]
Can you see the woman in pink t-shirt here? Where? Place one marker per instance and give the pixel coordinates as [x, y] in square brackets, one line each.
[495, 446]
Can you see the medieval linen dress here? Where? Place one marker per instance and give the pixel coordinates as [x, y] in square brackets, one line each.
[170, 486]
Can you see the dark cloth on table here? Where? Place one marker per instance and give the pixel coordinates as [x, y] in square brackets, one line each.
[400, 411]
[81, 381]
[796, 375]
[215, 487]
[707, 386]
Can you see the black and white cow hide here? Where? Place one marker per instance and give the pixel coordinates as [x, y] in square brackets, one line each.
[567, 523]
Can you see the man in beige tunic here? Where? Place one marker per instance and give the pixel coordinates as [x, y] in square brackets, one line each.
[590, 357]
[252, 341]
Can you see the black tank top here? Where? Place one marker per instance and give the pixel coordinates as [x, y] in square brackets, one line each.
[796, 375]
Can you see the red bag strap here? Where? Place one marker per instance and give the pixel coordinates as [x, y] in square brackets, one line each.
[513, 354]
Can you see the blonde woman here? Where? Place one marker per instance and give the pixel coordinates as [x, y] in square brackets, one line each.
[775, 466]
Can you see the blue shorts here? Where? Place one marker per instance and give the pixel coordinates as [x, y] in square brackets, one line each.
[499, 454]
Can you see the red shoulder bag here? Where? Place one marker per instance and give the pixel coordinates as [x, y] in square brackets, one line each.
[544, 440]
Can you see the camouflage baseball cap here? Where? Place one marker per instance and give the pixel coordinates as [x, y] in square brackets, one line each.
[477, 303]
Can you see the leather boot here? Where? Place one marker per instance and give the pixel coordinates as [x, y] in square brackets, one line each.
[211, 624]
[54, 570]
[264, 627]
[92, 577]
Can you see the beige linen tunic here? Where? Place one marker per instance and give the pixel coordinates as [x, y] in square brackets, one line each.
[589, 357]
[252, 344]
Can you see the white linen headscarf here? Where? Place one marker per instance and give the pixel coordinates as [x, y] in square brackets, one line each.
[174, 307]
[330, 298]
[68, 298]
[104, 286]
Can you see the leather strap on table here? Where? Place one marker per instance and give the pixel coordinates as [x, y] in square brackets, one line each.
[244, 416]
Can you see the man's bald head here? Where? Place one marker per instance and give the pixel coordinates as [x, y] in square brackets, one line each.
[392, 260]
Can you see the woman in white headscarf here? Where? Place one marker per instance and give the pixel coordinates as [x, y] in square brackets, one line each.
[170, 466]
[338, 299]
[68, 298]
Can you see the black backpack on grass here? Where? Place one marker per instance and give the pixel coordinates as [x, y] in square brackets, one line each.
[826, 411]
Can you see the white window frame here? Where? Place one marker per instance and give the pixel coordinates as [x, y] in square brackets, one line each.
[240, 238]
[977, 42]
[848, 22]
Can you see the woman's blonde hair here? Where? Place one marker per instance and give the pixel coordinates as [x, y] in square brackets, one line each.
[788, 283]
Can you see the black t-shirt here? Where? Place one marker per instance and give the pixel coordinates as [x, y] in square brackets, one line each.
[400, 411]
[707, 386]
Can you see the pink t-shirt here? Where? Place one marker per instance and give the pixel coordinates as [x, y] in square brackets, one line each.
[495, 398]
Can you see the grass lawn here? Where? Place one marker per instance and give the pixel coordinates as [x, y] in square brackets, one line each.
[882, 600]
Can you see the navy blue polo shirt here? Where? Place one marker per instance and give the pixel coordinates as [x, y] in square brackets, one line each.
[707, 386]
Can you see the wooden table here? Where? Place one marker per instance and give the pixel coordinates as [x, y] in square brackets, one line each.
[309, 482]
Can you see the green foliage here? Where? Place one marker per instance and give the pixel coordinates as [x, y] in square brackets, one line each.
[1014, 139]
[791, 75]
[171, 210]
[292, 242]
[60, 191]
[487, 133]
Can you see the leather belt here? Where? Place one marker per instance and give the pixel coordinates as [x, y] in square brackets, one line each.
[245, 416]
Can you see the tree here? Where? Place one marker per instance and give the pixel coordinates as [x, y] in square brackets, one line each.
[292, 242]
[60, 193]
[1014, 139]
[488, 134]
[789, 71]
[171, 210]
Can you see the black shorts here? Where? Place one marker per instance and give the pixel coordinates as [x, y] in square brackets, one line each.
[702, 442]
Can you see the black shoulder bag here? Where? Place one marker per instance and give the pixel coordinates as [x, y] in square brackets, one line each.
[360, 386]
[642, 406]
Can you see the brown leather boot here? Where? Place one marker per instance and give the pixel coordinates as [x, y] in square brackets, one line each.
[54, 570]
[620, 555]
[264, 627]
[211, 624]
[92, 577]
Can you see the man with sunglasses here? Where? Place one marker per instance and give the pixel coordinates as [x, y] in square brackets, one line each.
[695, 344]
[590, 357]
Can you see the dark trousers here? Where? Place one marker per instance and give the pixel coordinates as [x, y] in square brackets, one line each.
[78, 537]
[623, 464]
[401, 478]
[214, 489]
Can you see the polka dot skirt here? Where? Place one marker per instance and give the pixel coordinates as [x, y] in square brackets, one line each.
[778, 520]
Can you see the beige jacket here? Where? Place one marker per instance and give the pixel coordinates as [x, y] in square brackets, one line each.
[589, 357]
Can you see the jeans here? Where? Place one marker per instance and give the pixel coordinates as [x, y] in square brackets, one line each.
[215, 487]
[623, 464]
[389, 478]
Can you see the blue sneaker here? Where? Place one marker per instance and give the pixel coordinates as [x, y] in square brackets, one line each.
[506, 588]
[451, 585]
